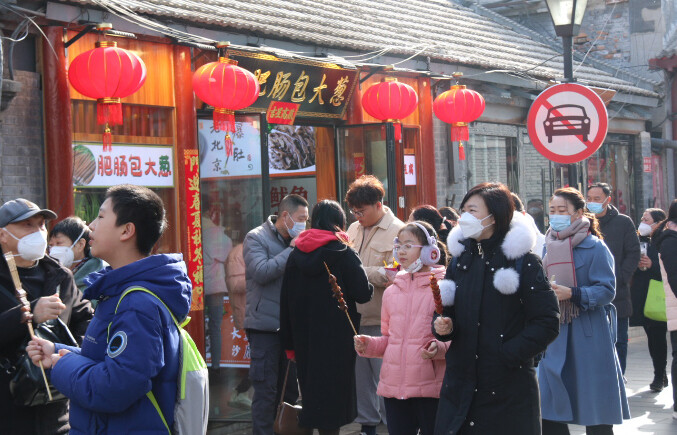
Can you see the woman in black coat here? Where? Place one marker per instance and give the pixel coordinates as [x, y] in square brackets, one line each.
[313, 329]
[499, 314]
[648, 269]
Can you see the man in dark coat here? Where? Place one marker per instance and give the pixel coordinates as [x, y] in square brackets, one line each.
[51, 292]
[621, 237]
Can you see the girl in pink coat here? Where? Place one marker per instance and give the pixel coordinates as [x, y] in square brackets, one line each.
[413, 360]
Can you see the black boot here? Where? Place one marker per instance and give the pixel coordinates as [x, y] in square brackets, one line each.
[658, 382]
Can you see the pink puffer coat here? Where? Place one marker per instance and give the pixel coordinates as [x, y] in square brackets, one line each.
[406, 317]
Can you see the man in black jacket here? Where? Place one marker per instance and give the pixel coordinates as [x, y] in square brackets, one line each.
[621, 238]
[51, 292]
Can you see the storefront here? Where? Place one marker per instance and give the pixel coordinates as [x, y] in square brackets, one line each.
[306, 134]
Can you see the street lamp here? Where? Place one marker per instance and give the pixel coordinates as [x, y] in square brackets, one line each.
[567, 16]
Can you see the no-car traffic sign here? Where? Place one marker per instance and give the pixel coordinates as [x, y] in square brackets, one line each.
[567, 123]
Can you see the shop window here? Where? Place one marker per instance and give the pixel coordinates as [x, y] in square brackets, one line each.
[142, 154]
[612, 164]
[493, 158]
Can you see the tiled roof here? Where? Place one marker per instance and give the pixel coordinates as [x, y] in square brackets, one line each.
[440, 29]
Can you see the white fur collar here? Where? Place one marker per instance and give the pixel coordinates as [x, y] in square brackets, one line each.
[519, 240]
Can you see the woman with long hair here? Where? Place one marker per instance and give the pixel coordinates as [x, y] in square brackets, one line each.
[666, 242]
[314, 331]
[499, 313]
[647, 270]
[580, 377]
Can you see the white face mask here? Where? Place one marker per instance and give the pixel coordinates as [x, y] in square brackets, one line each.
[471, 227]
[296, 229]
[644, 229]
[65, 254]
[415, 266]
[31, 247]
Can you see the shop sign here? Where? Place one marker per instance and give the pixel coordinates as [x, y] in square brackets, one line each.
[567, 123]
[281, 113]
[322, 90]
[242, 159]
[281, 187]
[150, 166]
[409, 170]
[194, 226]
[647, 164]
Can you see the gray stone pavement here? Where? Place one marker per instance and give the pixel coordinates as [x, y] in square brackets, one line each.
[651, 413]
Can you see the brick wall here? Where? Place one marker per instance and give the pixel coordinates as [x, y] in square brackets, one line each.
[22, 164]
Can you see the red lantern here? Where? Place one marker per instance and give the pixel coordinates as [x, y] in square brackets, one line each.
[107, 73]
[228, 88]
[390, 101]
[459, 106]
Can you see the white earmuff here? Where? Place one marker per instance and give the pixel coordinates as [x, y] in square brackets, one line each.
[430, 254]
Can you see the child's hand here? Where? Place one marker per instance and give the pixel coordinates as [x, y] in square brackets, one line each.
[443, 325]
[430, 352]
[360, 343]
[40, 350]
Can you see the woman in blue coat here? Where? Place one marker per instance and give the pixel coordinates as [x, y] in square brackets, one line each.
[580, 377]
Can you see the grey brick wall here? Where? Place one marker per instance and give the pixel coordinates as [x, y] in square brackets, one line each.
[22, 156]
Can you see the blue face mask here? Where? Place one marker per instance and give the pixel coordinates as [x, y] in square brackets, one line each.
[559, 222]
[296, 229]
[595, 207]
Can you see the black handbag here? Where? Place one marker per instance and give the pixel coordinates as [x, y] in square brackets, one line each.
[27, 385]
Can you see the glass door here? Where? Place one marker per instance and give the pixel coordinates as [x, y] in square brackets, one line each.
[367, 149]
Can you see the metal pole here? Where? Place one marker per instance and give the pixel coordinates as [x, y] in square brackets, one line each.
[567, 42]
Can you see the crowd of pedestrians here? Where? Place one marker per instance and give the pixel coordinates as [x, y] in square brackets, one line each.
[528, 334]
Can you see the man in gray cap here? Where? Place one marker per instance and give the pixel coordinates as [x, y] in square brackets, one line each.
[51, 292]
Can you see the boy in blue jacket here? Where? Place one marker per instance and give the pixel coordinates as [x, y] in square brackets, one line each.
[127, 354]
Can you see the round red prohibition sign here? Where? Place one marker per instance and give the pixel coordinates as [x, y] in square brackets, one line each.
[567, 123]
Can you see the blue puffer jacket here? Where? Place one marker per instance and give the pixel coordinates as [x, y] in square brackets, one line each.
[107, 386]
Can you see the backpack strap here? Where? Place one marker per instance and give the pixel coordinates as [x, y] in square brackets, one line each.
[149, 394]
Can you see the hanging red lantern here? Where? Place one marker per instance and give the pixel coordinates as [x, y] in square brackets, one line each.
[107, 73]
[228, 88]
[390, 101]
[459, 106]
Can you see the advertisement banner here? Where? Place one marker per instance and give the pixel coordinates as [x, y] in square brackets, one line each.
[241, 159]
[150, 166]
[235, 351]
[194, 227]
[291, 150]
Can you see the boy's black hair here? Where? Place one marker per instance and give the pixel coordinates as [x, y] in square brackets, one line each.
[142, 207]
[71, 227]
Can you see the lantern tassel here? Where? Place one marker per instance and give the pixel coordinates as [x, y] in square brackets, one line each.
[459, 133]
[398, 132]
[109, 112]
[224, 120]
[461, 151]
[229, 146]
[107, 139]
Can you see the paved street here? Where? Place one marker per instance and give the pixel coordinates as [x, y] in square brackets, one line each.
[651, 412]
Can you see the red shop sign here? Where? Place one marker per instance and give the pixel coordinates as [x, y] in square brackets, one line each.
[282, 113]
[194, 260]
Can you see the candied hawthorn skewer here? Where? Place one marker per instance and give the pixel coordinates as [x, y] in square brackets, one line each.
[436, 294]
[338, 295]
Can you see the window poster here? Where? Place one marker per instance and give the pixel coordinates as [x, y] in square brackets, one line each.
[291, 150]
[242, 158]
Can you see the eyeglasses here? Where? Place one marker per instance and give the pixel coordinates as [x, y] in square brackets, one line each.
[356, 213]
[405, 247]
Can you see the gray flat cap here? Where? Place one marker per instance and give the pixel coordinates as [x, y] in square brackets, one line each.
[21, 209]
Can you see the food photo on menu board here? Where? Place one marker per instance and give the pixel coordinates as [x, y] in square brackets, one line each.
[291, 149]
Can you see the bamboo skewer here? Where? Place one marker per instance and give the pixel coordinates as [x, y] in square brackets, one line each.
[339, 296]
[27, 316]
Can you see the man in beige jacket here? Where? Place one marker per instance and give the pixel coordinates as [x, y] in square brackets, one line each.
[372, 237]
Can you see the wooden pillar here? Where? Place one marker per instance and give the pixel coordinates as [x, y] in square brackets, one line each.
[186, 138]
[427, 193]
[58, 125]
